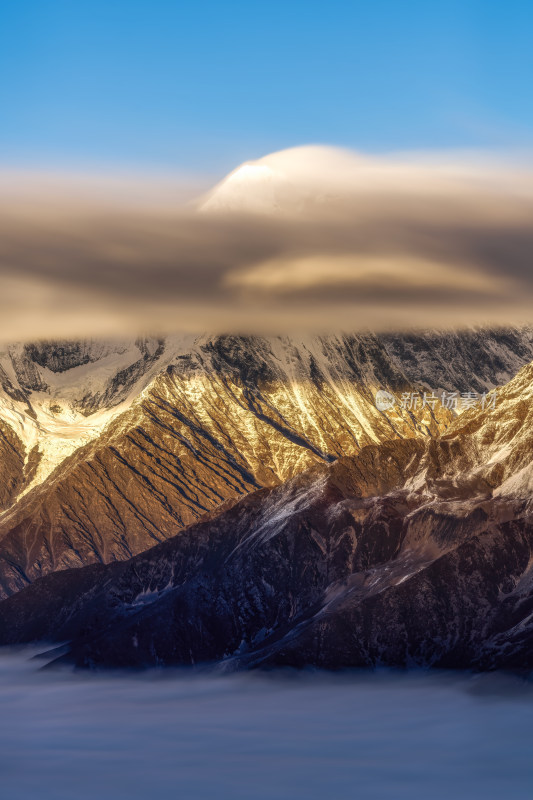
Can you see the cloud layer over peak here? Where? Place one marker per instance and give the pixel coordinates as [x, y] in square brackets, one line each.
[306, 239]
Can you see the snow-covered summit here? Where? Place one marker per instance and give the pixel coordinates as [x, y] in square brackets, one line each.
[281, 181]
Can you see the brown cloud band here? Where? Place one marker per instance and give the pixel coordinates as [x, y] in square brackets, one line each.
[405, 243]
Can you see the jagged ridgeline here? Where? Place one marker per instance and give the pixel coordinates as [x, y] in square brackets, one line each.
[110, 447]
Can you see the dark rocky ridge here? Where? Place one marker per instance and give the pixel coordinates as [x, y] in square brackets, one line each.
[323, 570]
[468, 360]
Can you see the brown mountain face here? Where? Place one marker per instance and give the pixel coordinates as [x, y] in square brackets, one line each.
[354, 563]
[12, 460]
[414, 551]
[193, 426]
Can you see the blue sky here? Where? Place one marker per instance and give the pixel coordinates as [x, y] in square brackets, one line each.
[202, 86]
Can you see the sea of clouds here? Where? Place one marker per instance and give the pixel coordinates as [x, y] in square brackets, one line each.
[261, 736]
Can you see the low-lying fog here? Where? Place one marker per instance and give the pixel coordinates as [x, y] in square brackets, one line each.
[261, 736]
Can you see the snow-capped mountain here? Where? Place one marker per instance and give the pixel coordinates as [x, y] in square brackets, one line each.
[57, 396]
[412, 552]
[288, 181]
[109, 448]
[272, 500]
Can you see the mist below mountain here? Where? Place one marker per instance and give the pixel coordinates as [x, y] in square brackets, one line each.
[198, 734]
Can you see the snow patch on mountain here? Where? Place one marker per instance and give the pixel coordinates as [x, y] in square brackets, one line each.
[74, 405]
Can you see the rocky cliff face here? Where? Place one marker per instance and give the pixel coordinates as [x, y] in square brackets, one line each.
[12, 460]
[125, 444]
[414, 551]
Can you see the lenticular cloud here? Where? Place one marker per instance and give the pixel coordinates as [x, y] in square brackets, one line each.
[311, 238]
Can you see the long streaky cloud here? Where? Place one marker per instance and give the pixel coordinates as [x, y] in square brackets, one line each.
[307, 239]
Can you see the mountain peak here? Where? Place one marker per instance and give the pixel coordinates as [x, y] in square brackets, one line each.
[251, 187]
[281, 181]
